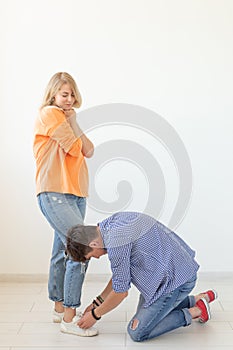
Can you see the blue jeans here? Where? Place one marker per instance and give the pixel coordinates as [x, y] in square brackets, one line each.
[65, 275]
[165, 314]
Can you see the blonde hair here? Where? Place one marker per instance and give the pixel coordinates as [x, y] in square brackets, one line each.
[55, 85]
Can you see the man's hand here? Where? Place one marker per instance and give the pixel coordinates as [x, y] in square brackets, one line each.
[87, 320]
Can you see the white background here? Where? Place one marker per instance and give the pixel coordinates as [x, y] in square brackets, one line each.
[171, 56]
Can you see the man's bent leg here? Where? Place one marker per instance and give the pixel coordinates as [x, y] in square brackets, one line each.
[161, 316]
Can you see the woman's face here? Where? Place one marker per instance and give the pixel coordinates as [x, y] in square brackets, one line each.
[64, 98]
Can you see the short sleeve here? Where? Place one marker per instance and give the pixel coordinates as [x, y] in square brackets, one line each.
[120, 265]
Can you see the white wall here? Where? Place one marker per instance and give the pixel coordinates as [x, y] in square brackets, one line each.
[173, 57]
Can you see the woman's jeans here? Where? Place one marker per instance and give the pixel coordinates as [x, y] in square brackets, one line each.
[65, 275]
[165, 314]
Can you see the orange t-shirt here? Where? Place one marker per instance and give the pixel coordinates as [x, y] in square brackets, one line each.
[60, 164]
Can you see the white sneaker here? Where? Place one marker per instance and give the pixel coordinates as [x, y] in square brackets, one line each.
[57, 316]
[73, 328]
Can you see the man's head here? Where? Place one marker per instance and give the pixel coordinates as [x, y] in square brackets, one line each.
[84, 242]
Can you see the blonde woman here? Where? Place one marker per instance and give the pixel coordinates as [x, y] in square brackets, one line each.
[60, 148]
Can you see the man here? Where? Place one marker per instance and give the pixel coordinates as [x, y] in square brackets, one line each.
[144, 252]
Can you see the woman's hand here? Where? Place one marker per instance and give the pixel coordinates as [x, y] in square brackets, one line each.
[70, 116]
[69, 113]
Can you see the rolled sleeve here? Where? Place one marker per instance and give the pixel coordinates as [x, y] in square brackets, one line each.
[59, 130]
[120, 265]
[64, 135]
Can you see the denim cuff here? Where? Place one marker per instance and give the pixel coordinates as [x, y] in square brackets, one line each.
[187, 316]
[192, 301]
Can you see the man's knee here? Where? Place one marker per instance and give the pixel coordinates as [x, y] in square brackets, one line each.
[133, 330]
[134, 324]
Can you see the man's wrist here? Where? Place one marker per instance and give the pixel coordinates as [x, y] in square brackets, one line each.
[95, 314]
[95, 303]
[98, 301]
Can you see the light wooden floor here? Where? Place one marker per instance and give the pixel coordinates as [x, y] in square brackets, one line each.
[25, 321]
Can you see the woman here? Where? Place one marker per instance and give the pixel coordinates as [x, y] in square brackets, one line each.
[60, 148]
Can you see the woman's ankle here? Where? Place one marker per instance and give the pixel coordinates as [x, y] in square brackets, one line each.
[59, 307]
[69, 314]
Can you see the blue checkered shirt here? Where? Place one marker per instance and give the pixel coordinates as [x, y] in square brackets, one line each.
[144, 252]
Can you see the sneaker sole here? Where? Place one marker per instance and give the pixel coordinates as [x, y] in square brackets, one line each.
[64, 330]
[79, 335]
[215, 294]
[208, 311]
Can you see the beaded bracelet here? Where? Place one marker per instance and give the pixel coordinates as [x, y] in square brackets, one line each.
[95, 303]
[101, 300]
[94, 315]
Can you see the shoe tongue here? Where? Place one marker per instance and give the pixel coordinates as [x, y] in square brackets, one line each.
[76, 318]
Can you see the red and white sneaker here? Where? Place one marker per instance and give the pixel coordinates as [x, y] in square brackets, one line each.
[203, 305]
[212, 295]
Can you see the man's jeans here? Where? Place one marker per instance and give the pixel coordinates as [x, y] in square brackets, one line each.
[65, 275]
[165, 314]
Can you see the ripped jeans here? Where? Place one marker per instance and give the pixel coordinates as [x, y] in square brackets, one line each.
[65, 275]
[164, 315]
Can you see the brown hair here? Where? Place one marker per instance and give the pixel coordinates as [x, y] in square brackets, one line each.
[78, 240]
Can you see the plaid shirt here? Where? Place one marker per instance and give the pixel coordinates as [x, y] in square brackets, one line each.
[146, 253]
